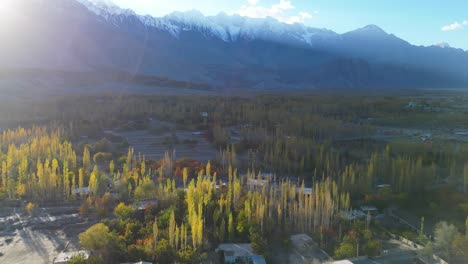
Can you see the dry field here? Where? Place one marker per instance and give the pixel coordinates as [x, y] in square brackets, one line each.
[162, 136]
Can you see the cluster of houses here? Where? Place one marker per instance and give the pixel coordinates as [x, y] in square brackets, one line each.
[425, 107]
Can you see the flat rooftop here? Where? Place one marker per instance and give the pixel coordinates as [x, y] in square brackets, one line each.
[236, 249]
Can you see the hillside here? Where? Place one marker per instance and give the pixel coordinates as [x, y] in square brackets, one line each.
[223, 51]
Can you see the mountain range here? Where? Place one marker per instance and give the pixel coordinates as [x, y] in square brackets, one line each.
[231, 51]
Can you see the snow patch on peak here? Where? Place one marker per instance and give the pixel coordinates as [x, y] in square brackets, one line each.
[105, 8]
[195, 20]
[223, 26]
[103, 3]
[372, 27]
[442, 45]
[369, 29]
[160, 24]
[191, 15]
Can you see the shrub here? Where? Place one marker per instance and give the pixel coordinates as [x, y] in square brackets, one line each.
[123, 211]
[102, 157]
[30, 208]
[373, 248]
[345, 250]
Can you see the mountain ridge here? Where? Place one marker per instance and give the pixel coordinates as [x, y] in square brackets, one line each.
[191, 16]
[221, 50]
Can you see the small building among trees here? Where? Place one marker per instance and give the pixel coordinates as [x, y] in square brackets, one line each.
[83, 192]
[239, 253]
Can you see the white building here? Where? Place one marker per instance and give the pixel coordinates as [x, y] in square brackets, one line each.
[81, 191]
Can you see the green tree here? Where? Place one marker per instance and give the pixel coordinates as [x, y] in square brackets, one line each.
[163, 252]
[99, 239]
[190, 256]
[185, 176]
[172, 230]
[111, 167]
[421, 229]
[123, 211]
[30, 207]
[86, 159]
[258, 241]
[208, 169]
[105, 204]
[466, 228]
[460, 247]
[102, 157]
[231, 227]
[444, 235]
[81, 259]
[143, 168]
[465, 179]
[345, 250]
[155, 231]
[427, 251]
[81, 178]
[373, 248]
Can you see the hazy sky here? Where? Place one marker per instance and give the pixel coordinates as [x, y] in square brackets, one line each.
[417, 21]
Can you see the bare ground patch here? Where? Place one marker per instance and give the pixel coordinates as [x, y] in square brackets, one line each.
[38, 239]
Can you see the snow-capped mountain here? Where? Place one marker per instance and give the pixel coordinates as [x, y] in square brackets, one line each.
[224, 50]
[223, 26]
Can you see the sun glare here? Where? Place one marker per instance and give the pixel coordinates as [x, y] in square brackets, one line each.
[7, 13]
[6, 7]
